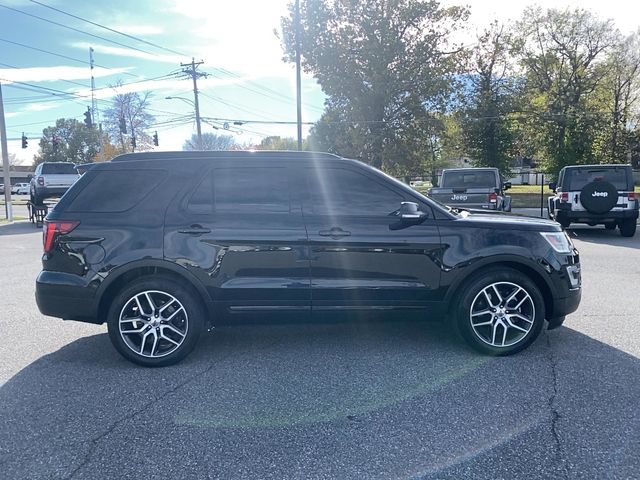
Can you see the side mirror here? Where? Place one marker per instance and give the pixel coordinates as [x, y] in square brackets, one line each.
[29, 177]
[553, 186]
[506, 185]
[409, 214]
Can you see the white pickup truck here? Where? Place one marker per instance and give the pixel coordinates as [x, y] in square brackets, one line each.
[52, 179]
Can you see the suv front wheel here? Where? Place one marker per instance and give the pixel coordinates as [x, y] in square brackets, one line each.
[155, 322]
[500, 312]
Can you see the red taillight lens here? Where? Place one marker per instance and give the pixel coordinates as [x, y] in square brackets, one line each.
[564, 197]
[493, 197]
[632, 196]
[40, 180]
[52, 228]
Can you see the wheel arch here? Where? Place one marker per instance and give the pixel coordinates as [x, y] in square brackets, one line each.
[530, 271]
[120, 277]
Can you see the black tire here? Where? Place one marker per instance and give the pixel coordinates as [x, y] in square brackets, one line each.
[190, 320]
[471, 295]
[610, 226]
[628, 227]
[564, 222]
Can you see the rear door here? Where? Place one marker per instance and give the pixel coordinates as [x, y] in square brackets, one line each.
[357, 260]
[241, 232]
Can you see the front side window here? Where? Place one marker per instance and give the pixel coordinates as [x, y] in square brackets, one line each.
[338, 191]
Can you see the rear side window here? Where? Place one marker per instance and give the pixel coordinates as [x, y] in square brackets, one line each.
[336, 191]
[116, 190]
[468, 179]
[59, 169]
[577, 178]
[242, 190]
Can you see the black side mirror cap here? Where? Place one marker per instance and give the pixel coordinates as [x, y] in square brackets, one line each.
[410, 214]
[553, 186]
[506, 185]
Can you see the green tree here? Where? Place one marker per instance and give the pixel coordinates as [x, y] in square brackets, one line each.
[69, 140]
[280, 143]
[487, 121]
[385, 65]
[562, 53]
[210, 141]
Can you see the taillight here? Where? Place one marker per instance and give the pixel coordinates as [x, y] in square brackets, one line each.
[52, 228]
[631, 196]
[41, 181]
[564, 196]
[493, 197]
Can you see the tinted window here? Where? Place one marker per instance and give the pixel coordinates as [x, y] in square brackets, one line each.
[115, 190]
[344, 192]
[59, 168]
[469, 179]
[577, 178]
[251, 190]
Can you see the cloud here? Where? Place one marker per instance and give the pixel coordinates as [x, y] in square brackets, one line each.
[128, 53]
[139, 29]
[52, 74]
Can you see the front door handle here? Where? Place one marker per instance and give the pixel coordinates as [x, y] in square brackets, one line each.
[335, 232]
[194, 230]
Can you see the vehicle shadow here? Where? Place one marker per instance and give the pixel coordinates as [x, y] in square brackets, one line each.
[601, 235]
[20, 227]
[349, 400]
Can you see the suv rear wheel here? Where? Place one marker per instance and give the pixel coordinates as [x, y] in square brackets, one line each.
[155, 322]
[501, 312]
[628, 227]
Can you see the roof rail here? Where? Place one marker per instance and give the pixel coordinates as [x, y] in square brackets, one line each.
[245, 154]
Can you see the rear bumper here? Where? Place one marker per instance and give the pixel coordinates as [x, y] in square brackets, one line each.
[584, 216]
[65, 296]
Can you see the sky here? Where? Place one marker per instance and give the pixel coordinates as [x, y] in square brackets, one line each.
[246, 76]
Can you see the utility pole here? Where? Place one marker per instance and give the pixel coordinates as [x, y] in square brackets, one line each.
[94, 106]
[5, 162]
[298, 78]
[191, 70]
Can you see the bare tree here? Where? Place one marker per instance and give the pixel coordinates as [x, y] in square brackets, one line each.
[128, 120]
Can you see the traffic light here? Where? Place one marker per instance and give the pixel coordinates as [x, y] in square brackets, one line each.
[24, 141]
[133, 142]
[155, 139]
[87, 118]
[123, 125]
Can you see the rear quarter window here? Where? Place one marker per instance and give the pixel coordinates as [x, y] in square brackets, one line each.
[115, 190]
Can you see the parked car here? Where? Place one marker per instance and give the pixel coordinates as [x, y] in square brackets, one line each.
[163, 245]
[20, 189]
[595, 195]
[52, 179]
[477, 188]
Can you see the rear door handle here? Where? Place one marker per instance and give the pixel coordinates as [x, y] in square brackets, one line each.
[335, 232]
[194, 230]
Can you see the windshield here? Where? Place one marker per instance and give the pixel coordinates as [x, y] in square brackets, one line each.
[577, 178]
[468, 179]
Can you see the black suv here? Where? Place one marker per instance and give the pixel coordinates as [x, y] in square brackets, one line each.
[161, 246]
[595, 194]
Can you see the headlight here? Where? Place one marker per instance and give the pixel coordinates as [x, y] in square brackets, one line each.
[559, 241]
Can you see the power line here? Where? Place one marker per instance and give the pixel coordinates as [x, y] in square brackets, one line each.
[77, 30]
[132, 37]
[83, 62]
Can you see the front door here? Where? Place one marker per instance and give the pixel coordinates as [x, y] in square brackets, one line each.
[358, 261]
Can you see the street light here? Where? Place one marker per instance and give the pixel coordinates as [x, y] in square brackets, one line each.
[192, 103]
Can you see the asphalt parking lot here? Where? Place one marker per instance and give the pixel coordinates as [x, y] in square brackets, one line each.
[355, 400]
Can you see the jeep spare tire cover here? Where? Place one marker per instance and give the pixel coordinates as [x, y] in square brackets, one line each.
[599, 196]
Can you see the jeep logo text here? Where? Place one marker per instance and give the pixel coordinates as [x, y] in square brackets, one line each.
[459, 197]
[600, 194]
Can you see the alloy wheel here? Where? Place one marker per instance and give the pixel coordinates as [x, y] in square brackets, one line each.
[153, 324]
[502, 314]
